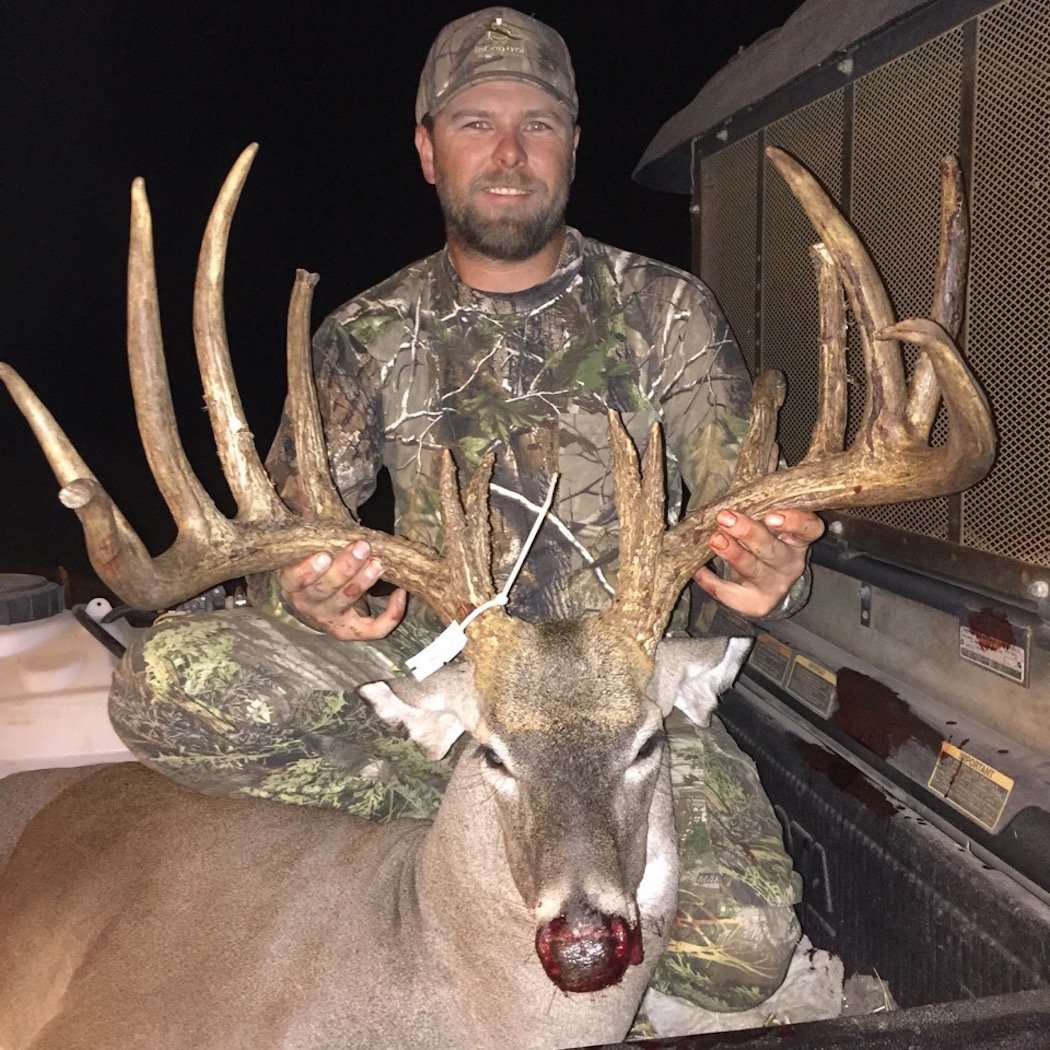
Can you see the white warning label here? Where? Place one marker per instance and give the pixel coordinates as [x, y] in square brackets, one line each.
[1004, 656]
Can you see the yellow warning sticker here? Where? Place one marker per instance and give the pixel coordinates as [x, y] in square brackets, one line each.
[771, 657]
[813, 684]
[969, 784]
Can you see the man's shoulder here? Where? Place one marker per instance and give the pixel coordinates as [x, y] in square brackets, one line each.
[391, 300]
[639, 273]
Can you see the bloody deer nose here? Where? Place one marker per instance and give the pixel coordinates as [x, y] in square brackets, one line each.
[588, 951]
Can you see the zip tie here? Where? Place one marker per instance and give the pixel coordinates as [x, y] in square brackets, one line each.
[453, 639]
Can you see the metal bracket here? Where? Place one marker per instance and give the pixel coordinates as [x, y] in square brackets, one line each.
[864, 590]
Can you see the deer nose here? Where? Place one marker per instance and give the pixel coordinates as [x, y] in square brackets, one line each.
[584, 951]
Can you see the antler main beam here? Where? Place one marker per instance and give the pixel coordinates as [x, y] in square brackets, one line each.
[265, 534]
[890, 459]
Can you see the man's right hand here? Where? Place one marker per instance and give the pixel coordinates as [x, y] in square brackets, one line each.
[327, 593]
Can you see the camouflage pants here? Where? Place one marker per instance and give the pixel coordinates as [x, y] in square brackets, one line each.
[238, 702]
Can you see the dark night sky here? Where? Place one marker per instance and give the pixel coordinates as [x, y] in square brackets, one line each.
[104, 91]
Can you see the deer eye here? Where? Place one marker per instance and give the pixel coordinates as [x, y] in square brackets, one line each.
[649, 747]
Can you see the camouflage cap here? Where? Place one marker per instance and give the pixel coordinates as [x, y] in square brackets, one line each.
[497, 43]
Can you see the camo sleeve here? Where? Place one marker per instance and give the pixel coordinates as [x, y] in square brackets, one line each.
[347, 380]
[706, 405]
[704, 393]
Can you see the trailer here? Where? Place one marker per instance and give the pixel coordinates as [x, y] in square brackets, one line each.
[901, 722]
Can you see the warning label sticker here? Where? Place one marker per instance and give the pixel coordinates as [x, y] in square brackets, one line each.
[969, 784]
[1004, 655]
[771, 657]
[813, 684]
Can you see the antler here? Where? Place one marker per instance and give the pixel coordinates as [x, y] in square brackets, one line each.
[890, 459]
[265, 534]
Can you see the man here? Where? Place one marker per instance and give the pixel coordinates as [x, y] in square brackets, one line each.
[515, 338]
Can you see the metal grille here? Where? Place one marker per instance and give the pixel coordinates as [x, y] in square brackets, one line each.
[790, 319]
[1009, 301]
[905, 115]
[729, 233]
[905, 118]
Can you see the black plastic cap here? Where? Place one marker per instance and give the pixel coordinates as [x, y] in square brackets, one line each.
[24, 598]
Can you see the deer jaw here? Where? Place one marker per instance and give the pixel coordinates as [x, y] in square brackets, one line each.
[568, 742]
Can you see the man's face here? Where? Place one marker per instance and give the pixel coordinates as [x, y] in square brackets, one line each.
[501, 157]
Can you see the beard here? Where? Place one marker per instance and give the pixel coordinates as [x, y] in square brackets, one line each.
[508, 238]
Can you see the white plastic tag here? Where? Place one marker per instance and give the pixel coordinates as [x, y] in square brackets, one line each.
[453, 639]
[445, 647]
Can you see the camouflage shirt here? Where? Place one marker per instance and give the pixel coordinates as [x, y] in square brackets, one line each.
[422, 362]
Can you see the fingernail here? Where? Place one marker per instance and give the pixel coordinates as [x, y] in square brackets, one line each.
[775, 519]
[727, 518]
[375, 569]
[360, 550]
[719, 542]
[321, 561]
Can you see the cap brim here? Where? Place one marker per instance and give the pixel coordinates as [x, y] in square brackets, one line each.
[527, 78]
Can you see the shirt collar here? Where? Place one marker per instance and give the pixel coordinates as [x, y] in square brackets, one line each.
[527, 300]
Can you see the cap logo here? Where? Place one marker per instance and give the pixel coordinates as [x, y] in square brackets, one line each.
[499, 29]
[500, 49]
[496, 43]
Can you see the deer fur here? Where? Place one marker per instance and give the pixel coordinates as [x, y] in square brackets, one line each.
[134, 912]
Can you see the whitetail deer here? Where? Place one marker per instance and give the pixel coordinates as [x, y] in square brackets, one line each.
[136, 913]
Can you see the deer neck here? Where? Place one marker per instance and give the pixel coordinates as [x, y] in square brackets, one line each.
[463, 879]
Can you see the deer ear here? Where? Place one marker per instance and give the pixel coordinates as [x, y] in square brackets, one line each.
[435, 712]
[691, 672]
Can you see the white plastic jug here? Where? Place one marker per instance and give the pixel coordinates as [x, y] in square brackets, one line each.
[54, 681]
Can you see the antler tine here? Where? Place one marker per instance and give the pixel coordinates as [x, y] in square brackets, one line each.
[829, 430]
[478, 535]
[244, 472]
[640, 508]
[886, 392]
[759, 451]
[321, 500]
[65, 461]
[948, 294]
[190, 506]
[466, 553]
[970, 449]
[110, 539]
[320, 496]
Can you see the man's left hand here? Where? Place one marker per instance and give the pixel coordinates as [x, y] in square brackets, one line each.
[764, 557]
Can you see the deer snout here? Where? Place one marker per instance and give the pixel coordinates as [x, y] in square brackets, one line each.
[585, 950]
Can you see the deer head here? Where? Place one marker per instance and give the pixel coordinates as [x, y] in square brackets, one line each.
[538, 697]
[567, 737]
